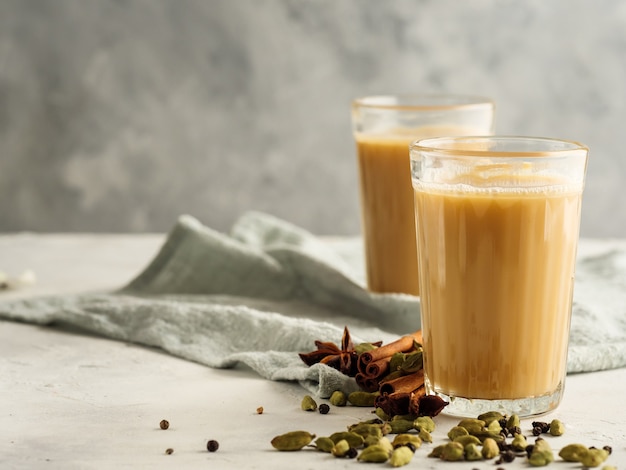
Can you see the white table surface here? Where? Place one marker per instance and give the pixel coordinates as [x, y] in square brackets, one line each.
[74, 401]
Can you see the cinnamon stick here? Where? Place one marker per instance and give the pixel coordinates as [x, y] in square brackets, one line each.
[394, 404]
[369, 384]
[406, 383]
[400, 345]
[377, 368]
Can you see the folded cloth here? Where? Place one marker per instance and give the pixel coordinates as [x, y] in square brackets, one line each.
[268, 290]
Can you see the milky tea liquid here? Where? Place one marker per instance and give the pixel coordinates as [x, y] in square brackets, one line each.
[387, 213]
[499, 269]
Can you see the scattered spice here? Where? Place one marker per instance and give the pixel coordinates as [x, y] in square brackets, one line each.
[391, 378]
[324, 409]
[308, 403]
[557, 428]
[540, 427]
[259, 410]
[479, 438]
[164, 424]
[293, 440]
[506, 456]
[169, 451]
[212, 445]
[338, 398]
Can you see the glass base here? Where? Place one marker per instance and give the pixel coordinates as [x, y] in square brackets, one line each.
[523, 407]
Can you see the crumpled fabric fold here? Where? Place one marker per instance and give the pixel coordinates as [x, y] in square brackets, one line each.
[265, 292]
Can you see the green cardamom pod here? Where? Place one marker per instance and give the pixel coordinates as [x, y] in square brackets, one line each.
[436, 452]
[401, 456]
[294, 440]
[338, 398]
[452, 452]
[396, 361]
[465, 440]
[371, 441]
[573, 452]
[375, 454]
[594, 457]
[308, 404]
[354, 440]
[482, 435]
[386, 428]
[472, 452]
[363, 398]
[385, 444]
[490, 449]
[400, 426]
[494, 427]
[366, 429]
[541, 454]
[364, 347]
[404, 439]
[381, 414]
[491, 416]
[424, 422]
[457, 431]
[539, 459]
[341, 448]
[513, 422]
[324, 444]
[412, 362]
[519, 442]
[407, 417]
[425, 436]
[472, 425]
[557, 428]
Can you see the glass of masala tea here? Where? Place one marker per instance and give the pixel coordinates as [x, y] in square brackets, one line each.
[497, 231]
[383, 128]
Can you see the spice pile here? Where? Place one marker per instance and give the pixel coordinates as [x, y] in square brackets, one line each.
[212, 445]
[392, 381]
[392, 374]
[490, 436]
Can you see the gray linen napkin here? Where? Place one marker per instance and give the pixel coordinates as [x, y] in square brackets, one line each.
[268, 290]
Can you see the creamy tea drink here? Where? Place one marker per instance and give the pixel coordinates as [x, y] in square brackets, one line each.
[387, 212]
[497, 240]
[383, 129]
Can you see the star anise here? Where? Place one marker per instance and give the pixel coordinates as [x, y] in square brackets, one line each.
[343, 359]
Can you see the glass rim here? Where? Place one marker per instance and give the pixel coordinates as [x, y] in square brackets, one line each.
[430, 145]
[422, 102]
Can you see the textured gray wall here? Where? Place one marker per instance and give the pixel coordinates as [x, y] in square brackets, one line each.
[121, 115]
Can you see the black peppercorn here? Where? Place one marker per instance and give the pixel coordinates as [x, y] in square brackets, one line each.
[506, 457]
[212, 445]
[169, 451]
[164, 424]
[324, 408]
